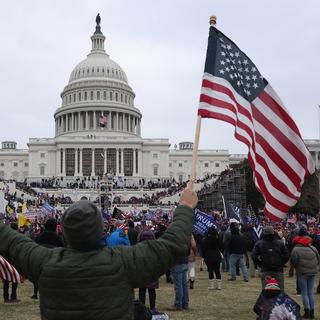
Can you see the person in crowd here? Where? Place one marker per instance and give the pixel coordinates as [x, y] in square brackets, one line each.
[212, 248]
[179, 276]
[158, 233]
[88, 280]
[49, 239]
[270, 254]
[151, 287]
[6, 284]
[274, 304]
[191, 263]
[118, 237]
[305, 259]
[225, 259]
[237, 247]
[248, 232]
[132, 233]
[198, 238]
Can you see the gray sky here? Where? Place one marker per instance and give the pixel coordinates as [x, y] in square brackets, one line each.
[161, 45]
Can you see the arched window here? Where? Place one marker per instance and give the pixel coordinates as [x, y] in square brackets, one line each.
[88, 70]
[126, 99]
[98, 95]
[91, 95]
[104, 95]
[121, 97]
[98, 69]
[92, 69]
[79, 96]
[110, 95]
[74, 97]
[85, 96]
[116, 96]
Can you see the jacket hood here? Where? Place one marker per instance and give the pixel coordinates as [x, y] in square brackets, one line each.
[82, 225]
[302, 240]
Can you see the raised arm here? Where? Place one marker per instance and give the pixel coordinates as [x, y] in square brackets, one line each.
[25, 255]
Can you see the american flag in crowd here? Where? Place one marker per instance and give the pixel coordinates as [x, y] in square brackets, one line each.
[233, 90]
[257, 228]
[102, 120]
[8, 271]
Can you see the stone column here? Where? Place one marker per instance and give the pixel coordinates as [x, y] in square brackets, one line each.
[104, 161]
[109, 120]
[76, 162]
[122, 161]
[79, 121]
[58, 164]
[117, 121]
[94, 120]
[64, 162]
[140, 173]
[134, 162]
[87, 120]
[72, 121]
[80, 169]
[117, 161]
[92, 164]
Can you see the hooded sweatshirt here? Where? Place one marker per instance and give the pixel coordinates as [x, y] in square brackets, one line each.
[304, 256]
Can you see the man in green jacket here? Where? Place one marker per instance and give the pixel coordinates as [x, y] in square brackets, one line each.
[88, 281]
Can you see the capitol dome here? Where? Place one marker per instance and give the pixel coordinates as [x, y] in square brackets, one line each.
[97, 65]
[97, 93]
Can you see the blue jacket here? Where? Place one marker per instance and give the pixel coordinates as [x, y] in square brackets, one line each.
[118, 238]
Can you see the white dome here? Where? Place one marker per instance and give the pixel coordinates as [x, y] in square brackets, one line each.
[95, 66]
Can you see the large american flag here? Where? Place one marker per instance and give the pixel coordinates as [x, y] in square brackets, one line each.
[8, 271]
[233, 90]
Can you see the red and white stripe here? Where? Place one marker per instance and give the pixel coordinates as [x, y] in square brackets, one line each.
[8, 271]
[277, 154]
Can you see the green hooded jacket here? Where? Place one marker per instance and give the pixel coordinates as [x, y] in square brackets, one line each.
[87, 281]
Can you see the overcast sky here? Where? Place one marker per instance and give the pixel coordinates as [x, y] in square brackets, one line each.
[161, 45]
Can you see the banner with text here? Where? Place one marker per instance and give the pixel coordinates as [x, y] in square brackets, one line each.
[203, 222]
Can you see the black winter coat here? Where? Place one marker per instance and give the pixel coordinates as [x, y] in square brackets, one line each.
[211, 248]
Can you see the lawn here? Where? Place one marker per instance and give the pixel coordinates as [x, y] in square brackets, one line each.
[234, 301]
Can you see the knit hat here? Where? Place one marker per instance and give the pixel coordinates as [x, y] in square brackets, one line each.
[268, 230]
[82, 225]
[303, 232]
[51, 224]
[272, 284]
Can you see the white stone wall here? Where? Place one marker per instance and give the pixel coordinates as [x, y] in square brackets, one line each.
[14, 164]
[209, 161]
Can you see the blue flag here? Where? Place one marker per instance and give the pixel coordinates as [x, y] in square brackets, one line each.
[203, 222]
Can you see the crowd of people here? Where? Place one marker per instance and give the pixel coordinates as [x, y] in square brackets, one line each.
[227, 247]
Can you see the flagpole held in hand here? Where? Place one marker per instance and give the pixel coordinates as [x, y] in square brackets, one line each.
[213, 21]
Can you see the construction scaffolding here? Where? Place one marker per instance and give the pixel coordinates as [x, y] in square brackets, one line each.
[231, 185]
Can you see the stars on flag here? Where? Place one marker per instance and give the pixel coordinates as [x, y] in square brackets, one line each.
[234, 65]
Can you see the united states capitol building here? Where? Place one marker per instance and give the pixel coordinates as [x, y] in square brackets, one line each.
[98, 131]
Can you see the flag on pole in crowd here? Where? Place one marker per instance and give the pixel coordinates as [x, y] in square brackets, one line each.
[257, 228]
[234, 91]
[102, 121]
[8, 272]
[233, 212]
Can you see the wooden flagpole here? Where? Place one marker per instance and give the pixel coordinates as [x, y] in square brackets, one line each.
[213, 21]
[195, 150]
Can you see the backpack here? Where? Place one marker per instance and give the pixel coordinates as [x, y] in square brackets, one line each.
[141, 312]
[271, 255]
